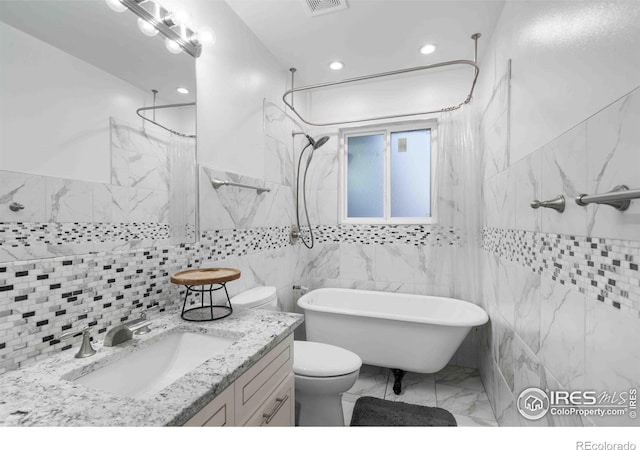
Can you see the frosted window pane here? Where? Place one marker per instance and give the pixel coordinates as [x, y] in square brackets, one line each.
[411, 173]
[365, 176]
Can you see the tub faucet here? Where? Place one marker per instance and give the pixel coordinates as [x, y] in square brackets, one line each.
[303, 289]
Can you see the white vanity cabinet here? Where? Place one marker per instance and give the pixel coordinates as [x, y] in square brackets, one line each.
[262, 396]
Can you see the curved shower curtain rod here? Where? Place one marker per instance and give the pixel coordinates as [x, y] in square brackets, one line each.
[473, 64]
[154, 107]
[174, 105]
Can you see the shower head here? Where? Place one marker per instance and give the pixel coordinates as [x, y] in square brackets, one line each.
[319, 143]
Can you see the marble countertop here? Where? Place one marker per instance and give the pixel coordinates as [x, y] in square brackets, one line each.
[40, 395]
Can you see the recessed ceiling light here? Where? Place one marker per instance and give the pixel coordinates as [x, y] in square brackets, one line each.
[427, 49]
[336, 65]
[182, 90]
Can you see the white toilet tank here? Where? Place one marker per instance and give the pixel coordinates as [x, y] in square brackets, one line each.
[262, 297]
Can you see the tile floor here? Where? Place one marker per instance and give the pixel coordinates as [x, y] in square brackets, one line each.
[459, 390]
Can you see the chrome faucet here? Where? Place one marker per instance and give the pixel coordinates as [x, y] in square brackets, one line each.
[86, 349]
[124, 332]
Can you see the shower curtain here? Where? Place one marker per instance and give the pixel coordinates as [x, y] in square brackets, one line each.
[459, 201]
[182, 185]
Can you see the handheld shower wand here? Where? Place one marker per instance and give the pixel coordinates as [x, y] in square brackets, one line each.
[314, 146]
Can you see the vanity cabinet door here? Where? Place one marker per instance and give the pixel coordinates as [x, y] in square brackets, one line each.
[279, 409]
[217, 413]
[258, 383]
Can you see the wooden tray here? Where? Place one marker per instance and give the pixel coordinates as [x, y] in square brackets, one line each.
[201, 277]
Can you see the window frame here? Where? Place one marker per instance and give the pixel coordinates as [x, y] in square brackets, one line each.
[386, 129]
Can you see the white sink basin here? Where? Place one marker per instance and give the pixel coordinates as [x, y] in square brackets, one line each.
[143, 373]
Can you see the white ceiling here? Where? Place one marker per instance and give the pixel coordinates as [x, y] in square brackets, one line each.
[369, 36]
[89, 30]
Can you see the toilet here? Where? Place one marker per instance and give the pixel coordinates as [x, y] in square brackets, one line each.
[322, 372]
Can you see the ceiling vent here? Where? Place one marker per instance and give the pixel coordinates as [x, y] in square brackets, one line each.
[317, 7]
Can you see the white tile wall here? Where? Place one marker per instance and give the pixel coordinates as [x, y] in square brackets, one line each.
[555, 284]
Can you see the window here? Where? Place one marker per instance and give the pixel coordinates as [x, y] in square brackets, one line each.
[387, 174]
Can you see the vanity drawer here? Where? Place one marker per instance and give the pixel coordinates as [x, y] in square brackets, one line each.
[279, 409]
[258, 383]
[218, 413]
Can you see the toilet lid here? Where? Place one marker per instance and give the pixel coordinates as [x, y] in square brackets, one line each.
[313, 359]
[255, 297]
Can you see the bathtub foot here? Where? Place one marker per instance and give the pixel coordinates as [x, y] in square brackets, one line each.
[398, 374]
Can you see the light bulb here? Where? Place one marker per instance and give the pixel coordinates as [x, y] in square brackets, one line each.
[116, 5]
[147, 28]
[206, 36]
[336, 65]
[427, 49]
[181, 17]
[172, 46]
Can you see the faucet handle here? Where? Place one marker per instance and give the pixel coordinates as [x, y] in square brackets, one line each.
[143, 314]
[85, 348]
[73, 333]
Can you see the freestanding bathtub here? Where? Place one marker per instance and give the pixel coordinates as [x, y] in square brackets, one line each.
[416, 333]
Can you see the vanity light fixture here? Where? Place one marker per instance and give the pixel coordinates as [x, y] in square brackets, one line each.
[182, 90]
[336, 65]
[427, 49]
[154, 19]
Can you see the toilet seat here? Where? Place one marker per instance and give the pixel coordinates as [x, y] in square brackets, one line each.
[314, 359]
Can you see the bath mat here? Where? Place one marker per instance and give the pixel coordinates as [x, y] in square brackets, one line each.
[376, 412]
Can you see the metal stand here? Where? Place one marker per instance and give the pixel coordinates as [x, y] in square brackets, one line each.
[398, 374]
[207, 313]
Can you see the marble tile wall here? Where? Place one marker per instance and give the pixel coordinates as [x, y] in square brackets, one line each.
[48, 200]
[99, 274]
[253, 229]
[390, 267]
[64, 217]
[562, 290]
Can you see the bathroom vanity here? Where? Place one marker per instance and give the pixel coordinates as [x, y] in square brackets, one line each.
[262, 396]
[248, 383]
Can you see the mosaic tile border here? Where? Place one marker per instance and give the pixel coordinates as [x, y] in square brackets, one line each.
[420, 235]
[23, 233]
[235, 242]
[603, 269]
[36, 240]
